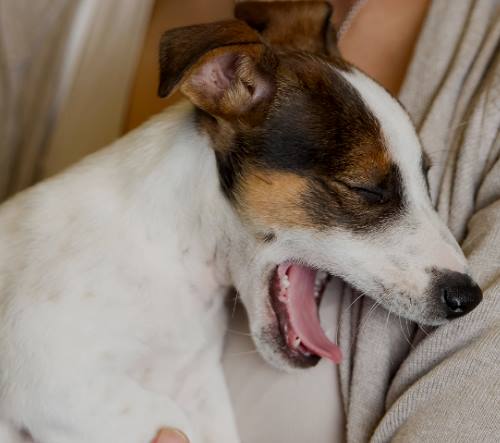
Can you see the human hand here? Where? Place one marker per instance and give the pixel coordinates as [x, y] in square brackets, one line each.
[170, 435]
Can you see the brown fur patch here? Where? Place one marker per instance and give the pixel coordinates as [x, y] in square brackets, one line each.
[301, 25]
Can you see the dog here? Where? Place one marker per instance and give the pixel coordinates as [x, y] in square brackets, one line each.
[284, 166]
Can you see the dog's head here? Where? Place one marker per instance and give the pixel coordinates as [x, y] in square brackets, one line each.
[324, 172]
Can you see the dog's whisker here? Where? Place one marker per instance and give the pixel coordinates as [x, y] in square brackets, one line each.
[351, 305]
[403, 332]
[235, 303]
[233, 331]
[362, 326]
[407, 327]
[387, 319]
[377, 303]
[423, 330]
[386, 326]
[342, 314]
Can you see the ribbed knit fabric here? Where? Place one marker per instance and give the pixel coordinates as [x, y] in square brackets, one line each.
[401, 383]
[33, 38]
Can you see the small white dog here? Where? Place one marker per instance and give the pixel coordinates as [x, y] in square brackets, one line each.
[286, 165]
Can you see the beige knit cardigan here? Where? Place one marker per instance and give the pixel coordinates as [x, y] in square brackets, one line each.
[406, 384]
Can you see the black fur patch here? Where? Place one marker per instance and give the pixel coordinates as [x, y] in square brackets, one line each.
[269, 237]
[329, 205]
[425, 163]
[319, 128]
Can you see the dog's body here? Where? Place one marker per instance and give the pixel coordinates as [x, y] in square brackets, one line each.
[113, 274]
[122, 283]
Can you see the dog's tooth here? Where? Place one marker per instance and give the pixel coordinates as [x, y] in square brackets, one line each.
[296, 342]
[285, 283]
[316, 293]
[283, 298]
[320, 278]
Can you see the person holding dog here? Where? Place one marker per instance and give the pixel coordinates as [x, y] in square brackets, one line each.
[398, 382]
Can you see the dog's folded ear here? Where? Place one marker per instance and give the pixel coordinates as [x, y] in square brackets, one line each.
[300, 25]
[224, 68]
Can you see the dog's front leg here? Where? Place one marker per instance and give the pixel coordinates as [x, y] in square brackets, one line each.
[196, 381]
[116, 409]
[212, 412]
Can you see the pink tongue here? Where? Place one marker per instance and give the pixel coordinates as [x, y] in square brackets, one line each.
[303, 313]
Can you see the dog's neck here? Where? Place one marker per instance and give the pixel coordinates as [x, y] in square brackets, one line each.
[174, 187]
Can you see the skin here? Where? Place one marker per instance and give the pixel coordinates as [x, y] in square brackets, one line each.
[369, 44]
[170, 436]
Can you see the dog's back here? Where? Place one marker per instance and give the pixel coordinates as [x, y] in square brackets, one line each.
[87, 278]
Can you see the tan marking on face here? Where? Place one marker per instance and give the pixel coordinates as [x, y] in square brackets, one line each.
[272, 198]
[276, 199]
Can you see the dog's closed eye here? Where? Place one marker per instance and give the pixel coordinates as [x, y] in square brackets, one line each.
[371, 194]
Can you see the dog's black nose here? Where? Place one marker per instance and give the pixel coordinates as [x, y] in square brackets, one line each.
[458, 293]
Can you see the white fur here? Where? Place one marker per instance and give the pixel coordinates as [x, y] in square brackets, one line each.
[111, 299]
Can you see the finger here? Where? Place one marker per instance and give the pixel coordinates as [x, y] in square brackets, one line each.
[170, 436]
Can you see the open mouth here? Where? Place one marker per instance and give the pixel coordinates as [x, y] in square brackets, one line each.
[296, 292]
